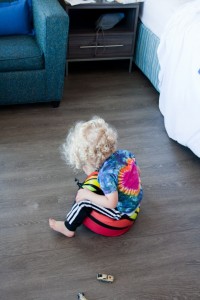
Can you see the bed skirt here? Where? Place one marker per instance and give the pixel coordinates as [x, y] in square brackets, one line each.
[146, 53]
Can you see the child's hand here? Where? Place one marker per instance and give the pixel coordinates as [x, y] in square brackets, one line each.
[83, 194]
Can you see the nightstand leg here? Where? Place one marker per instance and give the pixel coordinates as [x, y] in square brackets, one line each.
[66, 68]
[130, 65]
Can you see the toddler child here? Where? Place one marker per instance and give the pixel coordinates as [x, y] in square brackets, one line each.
[92, 146]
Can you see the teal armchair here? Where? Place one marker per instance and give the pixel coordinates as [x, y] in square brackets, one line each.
[32, 67]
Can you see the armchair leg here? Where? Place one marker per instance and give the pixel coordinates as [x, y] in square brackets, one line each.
[55, 104]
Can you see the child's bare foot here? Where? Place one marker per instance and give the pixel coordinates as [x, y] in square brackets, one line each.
[60, 227]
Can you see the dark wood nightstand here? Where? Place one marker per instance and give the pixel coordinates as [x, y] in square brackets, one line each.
[85, 43]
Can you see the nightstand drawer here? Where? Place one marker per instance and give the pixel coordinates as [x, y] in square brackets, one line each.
[101, 46]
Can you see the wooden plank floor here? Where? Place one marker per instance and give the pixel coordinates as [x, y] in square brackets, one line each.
[159, 259]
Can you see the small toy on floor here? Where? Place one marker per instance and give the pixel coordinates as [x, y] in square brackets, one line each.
[81, 296]
[105, 277]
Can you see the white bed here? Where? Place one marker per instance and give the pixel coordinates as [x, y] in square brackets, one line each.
[155, 14]
[168, 52]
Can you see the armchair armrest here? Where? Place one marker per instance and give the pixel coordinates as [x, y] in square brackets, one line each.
[51, 24]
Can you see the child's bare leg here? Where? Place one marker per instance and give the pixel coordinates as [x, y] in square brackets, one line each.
[60, 227]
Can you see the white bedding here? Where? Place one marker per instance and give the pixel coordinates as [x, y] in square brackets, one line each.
[179, 57]
[155, 13]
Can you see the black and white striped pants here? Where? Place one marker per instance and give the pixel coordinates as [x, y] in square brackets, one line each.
[82, 209]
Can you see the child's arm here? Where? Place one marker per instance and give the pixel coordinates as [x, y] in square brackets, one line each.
[108, 200]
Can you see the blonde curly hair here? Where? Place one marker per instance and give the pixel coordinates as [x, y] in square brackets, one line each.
[90, 142]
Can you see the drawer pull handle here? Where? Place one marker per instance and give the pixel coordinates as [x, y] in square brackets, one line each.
[105, 46]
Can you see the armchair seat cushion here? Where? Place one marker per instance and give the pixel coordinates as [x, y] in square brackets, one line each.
[20, 53]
